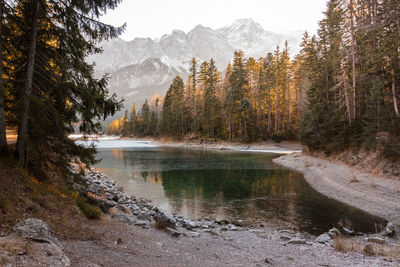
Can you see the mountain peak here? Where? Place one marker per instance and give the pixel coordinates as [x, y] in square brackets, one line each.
[146, 66]
[242, 25]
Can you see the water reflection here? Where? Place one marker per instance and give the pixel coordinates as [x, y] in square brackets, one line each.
[222, 185]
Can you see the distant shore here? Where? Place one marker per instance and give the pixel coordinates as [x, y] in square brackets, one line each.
[284, 147]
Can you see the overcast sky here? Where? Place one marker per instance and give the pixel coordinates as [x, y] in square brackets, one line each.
[153, 18]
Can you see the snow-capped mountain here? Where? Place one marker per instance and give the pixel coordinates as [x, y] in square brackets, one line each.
[143, 67]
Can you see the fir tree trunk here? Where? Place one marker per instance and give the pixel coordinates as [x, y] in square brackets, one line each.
[21, 147]
[269, 110]
[395, 104]
[3, 139]
[346, 96]
[353, 59]
[276, 108]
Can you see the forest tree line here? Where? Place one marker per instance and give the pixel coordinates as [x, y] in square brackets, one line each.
[340, 91]
[254, 100]
[47, 89]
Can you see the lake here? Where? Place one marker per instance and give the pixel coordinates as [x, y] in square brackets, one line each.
[231, 185]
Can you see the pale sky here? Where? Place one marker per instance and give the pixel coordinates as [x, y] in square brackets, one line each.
[153, 18]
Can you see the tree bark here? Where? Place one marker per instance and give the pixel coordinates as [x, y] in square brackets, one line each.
[346, 95]
[21, 147]
[395, 104]
[353, 59]
[3, 138]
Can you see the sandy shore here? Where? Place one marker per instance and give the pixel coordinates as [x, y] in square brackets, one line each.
[376, 195]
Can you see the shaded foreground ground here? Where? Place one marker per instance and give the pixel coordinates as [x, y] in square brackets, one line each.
[117, 244]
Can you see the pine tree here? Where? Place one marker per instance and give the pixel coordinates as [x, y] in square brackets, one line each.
[60, 90]
[3, 140]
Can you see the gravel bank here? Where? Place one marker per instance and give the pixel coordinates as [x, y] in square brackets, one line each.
[376, 195]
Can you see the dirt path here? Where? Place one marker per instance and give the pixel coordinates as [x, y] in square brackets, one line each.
[373, 194]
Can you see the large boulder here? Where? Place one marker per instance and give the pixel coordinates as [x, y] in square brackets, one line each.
[33, 243]
[36, 230]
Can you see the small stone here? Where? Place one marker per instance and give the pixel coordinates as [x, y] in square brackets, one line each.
[285, 237]
[334, 232]
[297, 241]
[191, 234]
[173, 232]
[390, 229]
[324, 238]
[348, 231]
[268, 261]
[140, 223]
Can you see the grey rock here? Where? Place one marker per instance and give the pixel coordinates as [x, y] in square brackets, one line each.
[166, 219]
[173, 232]
[297, 241]
[334, 232]
[101, 201]
[213, 232]
[36, 230]
[140, 223]
[268, 260]
[124, 218]
[191, 234]
[285, 237]
[324, 238]
[25, 253]
[232, 227]
[390, 229]
[348, 231]
[289, 232]
[189, 224]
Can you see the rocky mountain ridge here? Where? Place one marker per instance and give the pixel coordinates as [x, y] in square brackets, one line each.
[144, 67]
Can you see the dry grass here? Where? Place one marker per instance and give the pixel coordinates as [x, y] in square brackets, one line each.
[372, 183]
[388, 251]
[353, 179]
[369, 250]
[159, 225]
[23, 195]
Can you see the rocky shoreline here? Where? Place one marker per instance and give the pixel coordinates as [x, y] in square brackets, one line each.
[104, 192]
[206, 240]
